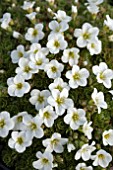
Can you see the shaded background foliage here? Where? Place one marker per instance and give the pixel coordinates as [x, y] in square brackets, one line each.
[81, 96]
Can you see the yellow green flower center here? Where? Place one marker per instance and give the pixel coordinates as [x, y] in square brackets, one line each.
[71, 54]
[107, 136]
[59, 88]
[45, 161]
[33, 126]
[2, 123]
[101, 156]
[56, 44]
[40, 99]
[76, 76]
[54, 69]
[59, 100]
[35, 32]
[54, 141]
[75, 117]
[19, 119]
[46, 115]
[20, 54]
[86, 35]
[19, 86]
[39, 62]
[27, 69]
[102, 76]
[20, 140]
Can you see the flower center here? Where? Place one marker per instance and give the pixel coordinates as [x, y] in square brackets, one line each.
[54, 141]
[86, 35]
[56, 44]
[39, 62]
[107, 136]
[45, 161]
[35, 32]
[54, 69]
[102, 76]
[101, 156]
[19, 119]
[40, 99]
[71, 54]
[2, 123]
[20, 54]
[33, 126]
[92, 45]
[59, 88]
[19, 86]
[59, 100]
[76, 76]
[20, 140]
[35, 51]
[46, 115]
[75, 117]
[27, 69]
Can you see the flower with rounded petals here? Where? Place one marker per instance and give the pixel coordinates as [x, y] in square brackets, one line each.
[96, 2]
[77, 77]
[59, 84]
[5, 20]
[17, 86]
[85, 152]
[98, 98]
[45, 161]
[6, 123]
[18, 121]
[87, 130]
[85, 35]
[109, 22]
[60, 101]
[93, 9]
[35, 34]
[55, 143]
[95, 47]
[38, 61]
[102, 158]
[70, 55]
[31, 16]
[17, 54]
[56, 43]
[58, 28]
[28, 5]
[33, 126]
[24, 69]
[108, 137]
[54, 69]
[75, 118]
[48, 115]
[82, 166]
[103, 73]
[61, 16]
[19, 141]
[70, 147]
[39, 98]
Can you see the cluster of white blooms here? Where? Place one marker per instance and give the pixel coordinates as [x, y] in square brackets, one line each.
[55, 102]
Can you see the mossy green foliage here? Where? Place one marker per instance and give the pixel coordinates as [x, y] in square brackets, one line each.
[81, 96]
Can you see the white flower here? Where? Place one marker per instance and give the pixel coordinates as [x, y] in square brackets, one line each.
[28, 5]
[33, 126]
[95, 47]
[35, 34]
[45, 161]
[6, 124]
[93, 9]
[58, 27]
[85, 152]
[17, 86]
[82, 166]
[86, 35]
[96, 2]
[38, 61]
[103, 73]
[31, 16]
[111, 91]
[74, 9]
[55, 143]
[36, 48]
[18, 121]
[39, 98]
[87, 130]
[70, 55]
[56, 43]
[48, 115]
[108, 137]
[5, 20]
[98, 98]
[59, 84]
[102, 158]
[16, 34]
[60, 101]
[54, 69]
[25, 69]
[17, 54]
[109, 22]
[61, 16]
[19, 141]
[75, 118]
[70, 147]
[77, 77]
